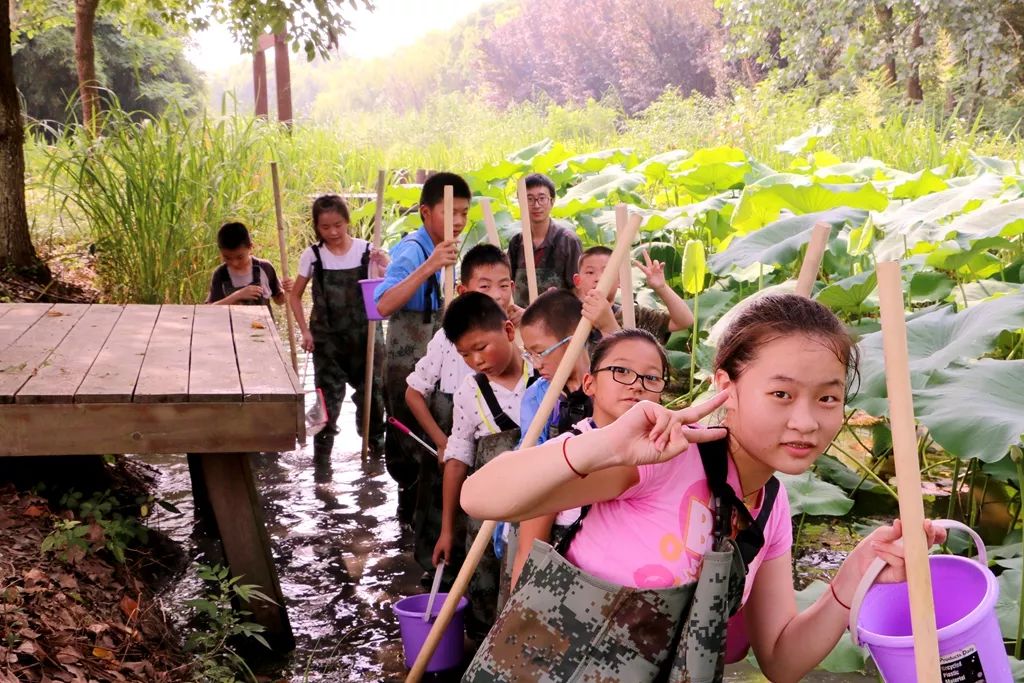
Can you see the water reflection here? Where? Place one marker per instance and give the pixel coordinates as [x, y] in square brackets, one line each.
[341, 557]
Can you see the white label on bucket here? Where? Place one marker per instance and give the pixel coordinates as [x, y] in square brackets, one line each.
[962, 666]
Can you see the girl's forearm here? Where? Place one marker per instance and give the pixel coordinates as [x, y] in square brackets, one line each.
[679, 313]
[533, 482]
[451, 483]
[805, 641]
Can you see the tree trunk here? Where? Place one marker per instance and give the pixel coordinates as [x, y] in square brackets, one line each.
[85, 60]
[884, 14]
[914, 91]
[16, 251]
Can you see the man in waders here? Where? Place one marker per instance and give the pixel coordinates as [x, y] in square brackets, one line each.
[556, 248]
[410, 296]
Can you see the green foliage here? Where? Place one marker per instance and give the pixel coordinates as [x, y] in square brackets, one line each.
[101, 522]
[218, 624]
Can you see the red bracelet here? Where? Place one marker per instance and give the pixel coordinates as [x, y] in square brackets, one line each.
[565, 455]
[843, 604]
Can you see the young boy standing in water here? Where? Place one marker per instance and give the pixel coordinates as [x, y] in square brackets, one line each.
[243, 279]
[410, 296]
[430, 391]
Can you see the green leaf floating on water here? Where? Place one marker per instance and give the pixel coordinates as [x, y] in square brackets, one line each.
[808, 494]
[974, 411]
[935, 340]
[779, 243]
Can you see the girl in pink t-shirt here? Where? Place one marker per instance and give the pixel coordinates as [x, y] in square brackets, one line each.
[781, 371]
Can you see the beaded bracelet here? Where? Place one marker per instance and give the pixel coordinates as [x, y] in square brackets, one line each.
[566, 456]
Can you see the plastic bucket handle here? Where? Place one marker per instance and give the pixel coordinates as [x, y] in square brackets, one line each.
[876, 567]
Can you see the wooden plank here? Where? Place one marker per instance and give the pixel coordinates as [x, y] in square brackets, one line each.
[4, 308]
[263, 376]
[59, 377]
[115, 371]
[239, 516]
[100, 428]
[22, 359]
[164, 373]
[300, 417]
[18, 320]
[213, 371]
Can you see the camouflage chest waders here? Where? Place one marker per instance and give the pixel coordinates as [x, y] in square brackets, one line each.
[339, 326]
[562, 624]
[429, 497]
[227, 287]
[547, 277]
[408, 335]
[486, 584]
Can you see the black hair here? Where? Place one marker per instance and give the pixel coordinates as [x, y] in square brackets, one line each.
[472, 311]
[540, 180]
[609, 342]
[481, 255]
[558, 310]
[597, 250]
[776, 315]
[432, 193]
[233, 236]
[329, 203]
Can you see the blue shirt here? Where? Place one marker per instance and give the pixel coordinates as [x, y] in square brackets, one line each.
[406, 256]
[529, 406]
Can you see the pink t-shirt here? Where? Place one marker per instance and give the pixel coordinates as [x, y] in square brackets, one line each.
[655, 534]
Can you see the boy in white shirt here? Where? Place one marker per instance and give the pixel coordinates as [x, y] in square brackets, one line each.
[485, 424]
[430, 391]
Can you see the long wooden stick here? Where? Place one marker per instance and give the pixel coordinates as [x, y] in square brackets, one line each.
[283, 249]
[524, 220]
[812, 258]
[908, 475]
[483, 537]
[492, 227]
[449, 235]
[371, 326]
[625, 274]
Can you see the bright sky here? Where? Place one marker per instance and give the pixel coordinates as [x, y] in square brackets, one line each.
[392, 25]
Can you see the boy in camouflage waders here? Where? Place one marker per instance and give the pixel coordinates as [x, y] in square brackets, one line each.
[556, 257]
[410, 296]
[337, 329]
[486, 423]
[429, 395]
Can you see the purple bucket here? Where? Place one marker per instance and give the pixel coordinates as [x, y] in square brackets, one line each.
[449, 651]
[970, 642]
[369, 304]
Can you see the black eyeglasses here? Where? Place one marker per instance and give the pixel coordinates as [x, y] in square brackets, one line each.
[652, 383]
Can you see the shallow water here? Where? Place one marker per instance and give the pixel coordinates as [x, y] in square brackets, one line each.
[341, 558]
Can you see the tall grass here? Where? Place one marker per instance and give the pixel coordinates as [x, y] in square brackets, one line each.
[150, 194]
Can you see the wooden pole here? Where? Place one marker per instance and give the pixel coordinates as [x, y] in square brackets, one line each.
[282, 247]
[908, 475]
[812, 259]
[524, 219]
[492, 227]
[449, 235]
[625, 274]
[483, 537]
[371, 326]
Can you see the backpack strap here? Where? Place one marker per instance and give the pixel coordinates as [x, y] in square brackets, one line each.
[729, 507]
[318, 276]
[364, 263]
[501, 419]
[433, 289]
[256, 274]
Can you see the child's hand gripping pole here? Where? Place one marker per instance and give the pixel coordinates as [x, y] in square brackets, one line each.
[625, 274]
[483, 537]
[371, 326]
[492, 227]
[908, 475]
[282, 248]
[408, 432]
[524, 220]
[812, 258]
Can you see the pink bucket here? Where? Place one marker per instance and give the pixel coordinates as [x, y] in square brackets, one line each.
[369, 304]
[964, 592]
[449, 651]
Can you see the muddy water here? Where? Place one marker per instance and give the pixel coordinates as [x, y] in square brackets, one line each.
[341, 556]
